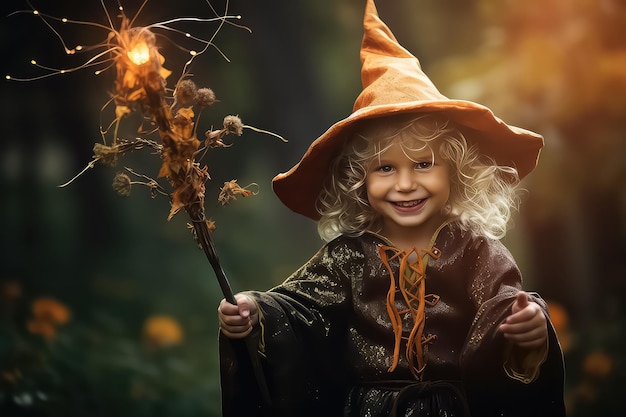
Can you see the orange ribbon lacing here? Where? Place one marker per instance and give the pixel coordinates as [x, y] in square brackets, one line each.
[411, 284]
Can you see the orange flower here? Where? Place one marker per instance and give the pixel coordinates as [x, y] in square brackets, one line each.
[11, 376]
[586, 392]
[11, 290]
[48, 314]
[162, 331]
[51, 310]
[43, 328]
[560, 321]
[598, 364]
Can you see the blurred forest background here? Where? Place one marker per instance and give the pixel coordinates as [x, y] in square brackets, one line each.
[107, 308]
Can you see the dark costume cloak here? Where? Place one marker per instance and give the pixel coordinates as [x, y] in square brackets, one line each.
[327, 343]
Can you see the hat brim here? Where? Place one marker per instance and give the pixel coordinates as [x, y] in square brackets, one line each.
[300, 187]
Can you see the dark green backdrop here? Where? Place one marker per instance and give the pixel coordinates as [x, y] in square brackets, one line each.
[113, 263]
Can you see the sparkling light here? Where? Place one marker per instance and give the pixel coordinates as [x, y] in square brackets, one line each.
[139, 54]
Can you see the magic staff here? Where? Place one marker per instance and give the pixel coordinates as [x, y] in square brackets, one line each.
[140, 86]
[143, 81]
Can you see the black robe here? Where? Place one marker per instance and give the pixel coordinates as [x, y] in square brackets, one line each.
[326, 330]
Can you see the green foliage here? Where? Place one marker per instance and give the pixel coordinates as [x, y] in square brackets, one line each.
[105, 365]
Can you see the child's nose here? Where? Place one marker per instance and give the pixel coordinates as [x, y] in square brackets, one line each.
[407, 181]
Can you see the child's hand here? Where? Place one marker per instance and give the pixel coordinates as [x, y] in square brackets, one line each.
[237, 321]
[526, 326]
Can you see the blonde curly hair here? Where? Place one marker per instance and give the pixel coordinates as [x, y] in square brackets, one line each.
[482, 194]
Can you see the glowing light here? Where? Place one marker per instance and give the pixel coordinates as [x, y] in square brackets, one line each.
[32, 61]
[140, 54]
[193, 53]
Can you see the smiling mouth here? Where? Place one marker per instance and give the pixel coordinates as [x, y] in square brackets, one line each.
[408, 204]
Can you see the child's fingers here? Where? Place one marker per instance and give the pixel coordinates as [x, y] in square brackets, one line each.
[235, 320]
[227, 309]
[534, 338]
[524, 321]
[234, 326]
[521, 301]
[236, 332]
[529, 312]
[519, 327]
[527, 327]
[244, 305]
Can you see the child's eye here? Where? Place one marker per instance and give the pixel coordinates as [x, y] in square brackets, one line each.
[424, 165]
[381, 168]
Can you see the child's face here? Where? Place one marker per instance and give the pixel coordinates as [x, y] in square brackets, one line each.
[408, 188]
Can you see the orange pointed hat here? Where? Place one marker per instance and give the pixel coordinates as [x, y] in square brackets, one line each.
[394, 83]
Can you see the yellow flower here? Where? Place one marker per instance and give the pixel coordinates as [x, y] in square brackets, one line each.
[47, 314]
[162, 331]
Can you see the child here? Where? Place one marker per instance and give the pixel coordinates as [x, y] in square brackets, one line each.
[413, 307]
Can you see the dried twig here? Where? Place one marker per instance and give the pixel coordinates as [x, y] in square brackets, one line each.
[140, 87]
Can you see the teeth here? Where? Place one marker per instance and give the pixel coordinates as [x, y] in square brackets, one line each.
[409, 203]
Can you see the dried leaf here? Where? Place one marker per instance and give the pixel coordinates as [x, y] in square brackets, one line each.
[182, 126]
[186, 112]
[129, 80]
[164, 172]
[230, 190]
[214, 139]
[121, 111]
[163, 72]
[138, 94]
[177, 204]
